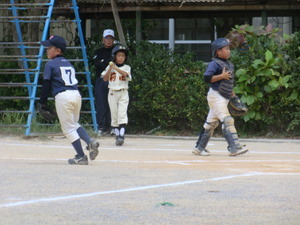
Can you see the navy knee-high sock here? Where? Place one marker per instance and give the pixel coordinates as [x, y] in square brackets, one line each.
[83, 135]
[78, 148]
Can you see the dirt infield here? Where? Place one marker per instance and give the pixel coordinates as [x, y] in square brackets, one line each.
[149, 181]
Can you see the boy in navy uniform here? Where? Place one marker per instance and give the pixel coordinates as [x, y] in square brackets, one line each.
[220, 76]
[59, 78]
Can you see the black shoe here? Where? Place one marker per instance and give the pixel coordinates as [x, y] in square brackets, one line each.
[203, 152]
[79, 160]
[93, 148]
[112, 132]
[102, 132]
[119, 140]
[239, 151]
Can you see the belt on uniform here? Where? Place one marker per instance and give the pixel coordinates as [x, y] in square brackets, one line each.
[119, 90]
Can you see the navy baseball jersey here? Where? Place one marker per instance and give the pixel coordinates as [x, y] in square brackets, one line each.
[213, 68]
[62, 75]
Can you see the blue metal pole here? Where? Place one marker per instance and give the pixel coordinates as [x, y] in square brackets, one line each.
[39, 64]
[86, 65]
[20, 39]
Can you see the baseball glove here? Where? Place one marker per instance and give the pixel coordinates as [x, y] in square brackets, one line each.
[236, 107]
[47, 113]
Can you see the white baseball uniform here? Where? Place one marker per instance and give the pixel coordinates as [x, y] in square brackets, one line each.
[118, 98]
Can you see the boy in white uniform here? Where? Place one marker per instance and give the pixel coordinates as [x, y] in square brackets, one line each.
[118, 74]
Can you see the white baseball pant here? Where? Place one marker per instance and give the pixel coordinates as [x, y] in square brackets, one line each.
[217, 107]
[68, 105]
[118, 101]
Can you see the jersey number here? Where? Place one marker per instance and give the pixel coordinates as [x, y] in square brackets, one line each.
[68, 75]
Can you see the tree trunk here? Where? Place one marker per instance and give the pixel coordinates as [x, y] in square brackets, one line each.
[118, 22]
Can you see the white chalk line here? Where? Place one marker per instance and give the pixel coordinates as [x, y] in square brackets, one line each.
[136, 149]
[189, 162]
[86, 195]
[179, 162]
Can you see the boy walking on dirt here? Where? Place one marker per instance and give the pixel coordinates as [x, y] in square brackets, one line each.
[220, 76]
[59, 77]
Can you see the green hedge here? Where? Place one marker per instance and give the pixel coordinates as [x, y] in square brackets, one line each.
[268, 81]
[167, 89]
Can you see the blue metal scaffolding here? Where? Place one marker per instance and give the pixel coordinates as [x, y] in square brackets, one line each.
[15, 16]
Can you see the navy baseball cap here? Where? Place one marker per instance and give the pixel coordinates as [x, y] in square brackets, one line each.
[56, 41]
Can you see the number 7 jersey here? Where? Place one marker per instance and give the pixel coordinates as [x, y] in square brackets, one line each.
[62, 75]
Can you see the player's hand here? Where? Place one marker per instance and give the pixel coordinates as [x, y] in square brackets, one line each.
[226, 74]
[111, 64]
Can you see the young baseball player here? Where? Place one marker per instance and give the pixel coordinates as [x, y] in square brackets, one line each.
[220, 76]
[118, 74]
[59, 78]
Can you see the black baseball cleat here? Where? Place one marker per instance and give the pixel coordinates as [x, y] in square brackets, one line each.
[203, 152]
[120, 140]
[112, 132]
[239, 151]
[79, 160]
[93, 148]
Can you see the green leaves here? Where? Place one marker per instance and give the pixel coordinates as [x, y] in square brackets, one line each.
[242, 75]
[167, 89]
[258, 64]
[248, 99]
[268, 78]
[273, 84]
[294, 95]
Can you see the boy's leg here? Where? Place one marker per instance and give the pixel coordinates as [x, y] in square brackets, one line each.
[122, 129]
[67, 106]
[122, 107]
[80, 157]
[92, 144]
[113, 105]
[230, 134]
[120, 135]
[208, 127]
[219, 104]
[78, 148]
[83, 135]
[123, 102]
[205, 135]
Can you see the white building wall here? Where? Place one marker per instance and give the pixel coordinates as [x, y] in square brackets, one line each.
[283, 23]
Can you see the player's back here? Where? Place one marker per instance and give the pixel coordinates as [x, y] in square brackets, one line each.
[62, 75]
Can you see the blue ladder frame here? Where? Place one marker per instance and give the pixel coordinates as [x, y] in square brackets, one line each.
[20, 39]
[32, 87]
[39, 64]
[86, 65]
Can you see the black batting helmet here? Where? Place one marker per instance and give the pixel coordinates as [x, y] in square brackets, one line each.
[119, 48]
[217, 44]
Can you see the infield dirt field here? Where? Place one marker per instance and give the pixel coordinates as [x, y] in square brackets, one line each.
[149, 181]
